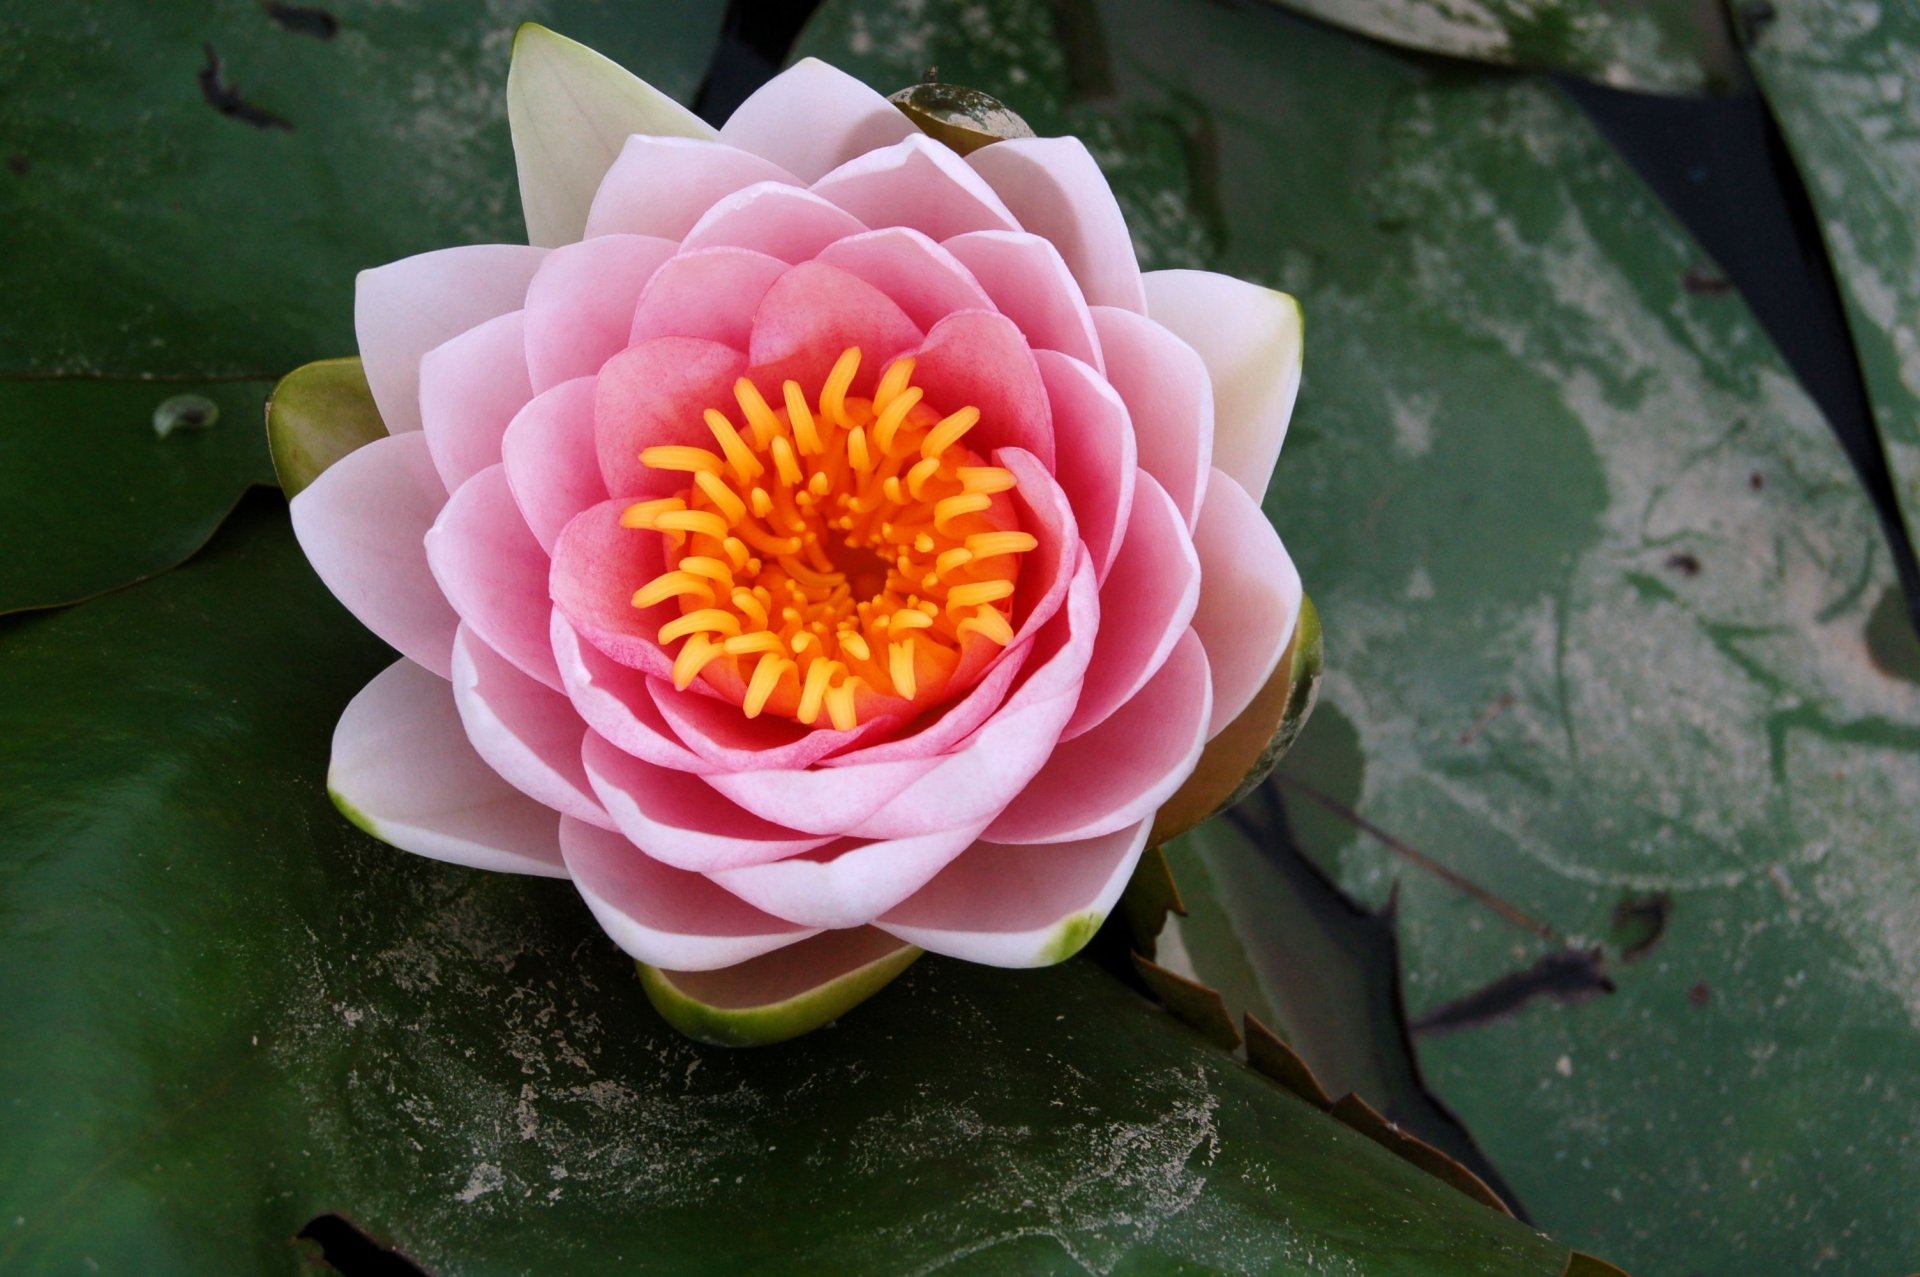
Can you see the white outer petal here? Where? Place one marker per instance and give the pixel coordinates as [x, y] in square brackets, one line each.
[1250, 339]
[571, 110]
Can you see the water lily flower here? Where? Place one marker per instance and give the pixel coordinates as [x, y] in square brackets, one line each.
[818, 544]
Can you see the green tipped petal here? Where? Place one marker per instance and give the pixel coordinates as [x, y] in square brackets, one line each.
[316, 415]
[782, 994]
[571, 110]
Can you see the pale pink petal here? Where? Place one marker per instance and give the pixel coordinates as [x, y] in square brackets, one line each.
[1014, 905]
[661, 185]
[614, 700]
[470, 387]
[681, 822]
[663, 916]
[580, 304]
[494, 573]
[727, 739]
[403, 771]
[812, 118]
[1031, 285]
[1121, 771]
[979, 358]
[363, 525]
[920, 183]
[813, 313]
[1249, 338]
[1145, 605]
[710, 293]
[406, 308]
[924, 279]
[1249, 598]
[1054, 187]
[552, 464]
[1096, 458]
[972, 785]
[1169, 395]
[781, 221]
[656, 393]
[597, 566]
[820, 800]
[846, 883]
[524, 730]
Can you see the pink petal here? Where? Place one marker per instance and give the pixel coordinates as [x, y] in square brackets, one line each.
[710, 293]
[800, 970]
[1249, 598]
[614, 700]
[494, 573]
[916, 182]
[1145, 604]
[1054, 187]
[470, 387]
[652, 394]
[663, 916]
[979, 358]
[1121, 771]
[924, 279]
[403, 771]
[363, 525]
[1031, 285]
[597, 565]
[842, 885]
[1048, 570]
[1169, 394]
[1013, 905]
[811, 118]
[662, 185]
[681, 822]
[525, 731]
[406, 308]
[725, 738]
[552, 464]
[972, 785]
[811, 315]
[1096, 455]
[1249, 338]
[580, 304]
[781, 221]
[821, 800]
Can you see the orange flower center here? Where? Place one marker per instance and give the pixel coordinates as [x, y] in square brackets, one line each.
[839, 557]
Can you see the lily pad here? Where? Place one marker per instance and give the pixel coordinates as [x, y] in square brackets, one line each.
[105, 483]
[1604, 592]
[229, 1012]
[1840, 79]
[217, 174]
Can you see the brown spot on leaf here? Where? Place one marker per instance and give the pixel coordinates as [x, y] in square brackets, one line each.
[1683, 563]
[303, 19]
[226, 98]
[1699, 995]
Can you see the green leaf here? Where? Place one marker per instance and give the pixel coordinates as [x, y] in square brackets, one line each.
[317, 414]
[1840, 82]
[572, 110]
[217, 178]
[228, 1011]
[1664, 46]
[93, 495]
[1604, 593]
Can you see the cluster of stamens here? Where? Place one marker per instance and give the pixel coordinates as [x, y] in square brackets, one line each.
[821, 551]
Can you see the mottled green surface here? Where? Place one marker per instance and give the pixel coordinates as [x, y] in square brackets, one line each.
[147, 232]
[1603, 595]
[227, 1011]
[92, 496]
[1844, 81]
[1656, 46]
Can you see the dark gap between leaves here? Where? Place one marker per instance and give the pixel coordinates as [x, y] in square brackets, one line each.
[226, 99]
[1721, 165]
[756, 39]
[350, 1252]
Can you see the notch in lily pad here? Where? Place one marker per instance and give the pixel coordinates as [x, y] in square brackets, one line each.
[965, 119]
